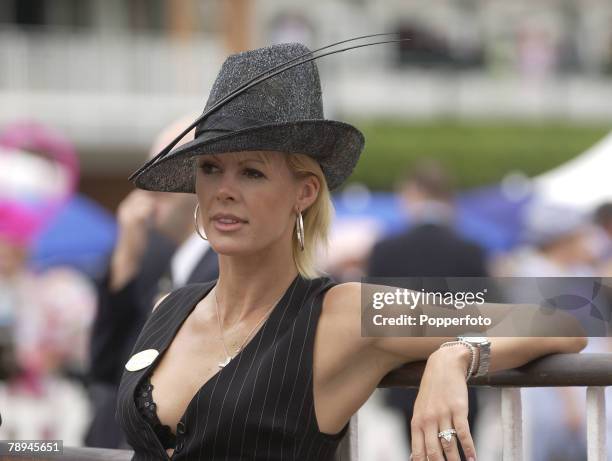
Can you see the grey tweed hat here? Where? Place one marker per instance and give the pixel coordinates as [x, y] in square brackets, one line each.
[282, 113]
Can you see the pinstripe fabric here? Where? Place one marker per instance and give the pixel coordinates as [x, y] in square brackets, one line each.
[260, 406]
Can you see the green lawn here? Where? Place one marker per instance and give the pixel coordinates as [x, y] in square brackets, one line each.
[477, 153]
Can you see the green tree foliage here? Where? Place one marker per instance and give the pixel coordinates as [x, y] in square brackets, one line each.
[478, 153]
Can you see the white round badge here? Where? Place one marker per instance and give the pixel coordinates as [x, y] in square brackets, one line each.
[141, 360]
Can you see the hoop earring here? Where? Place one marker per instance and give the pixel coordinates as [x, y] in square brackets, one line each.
[195, 222]
[299, 228]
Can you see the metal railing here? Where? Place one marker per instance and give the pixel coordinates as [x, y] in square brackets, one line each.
[593, 371]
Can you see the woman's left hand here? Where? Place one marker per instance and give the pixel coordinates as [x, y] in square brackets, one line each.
[442, 403]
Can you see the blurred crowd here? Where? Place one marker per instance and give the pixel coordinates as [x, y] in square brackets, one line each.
[65, 336]
[45, 316]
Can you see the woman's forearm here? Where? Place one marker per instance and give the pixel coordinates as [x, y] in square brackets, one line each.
[509, 353]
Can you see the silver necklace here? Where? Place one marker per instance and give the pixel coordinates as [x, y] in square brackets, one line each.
[229, 357]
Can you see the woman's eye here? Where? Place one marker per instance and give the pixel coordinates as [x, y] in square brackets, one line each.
[208, 168]
[252, 173]
[211, 168]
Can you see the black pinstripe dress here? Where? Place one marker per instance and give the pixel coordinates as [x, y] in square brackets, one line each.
[260, 406]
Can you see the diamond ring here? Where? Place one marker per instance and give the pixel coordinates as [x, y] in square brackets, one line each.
[447, 434]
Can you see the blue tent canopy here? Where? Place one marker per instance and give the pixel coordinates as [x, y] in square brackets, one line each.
[81, 236]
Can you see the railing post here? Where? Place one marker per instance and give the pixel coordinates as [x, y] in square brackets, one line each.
[596, 423]
[512, 423]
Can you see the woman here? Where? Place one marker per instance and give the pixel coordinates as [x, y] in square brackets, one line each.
[268, 362]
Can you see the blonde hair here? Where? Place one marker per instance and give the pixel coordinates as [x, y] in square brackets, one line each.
[317, 218]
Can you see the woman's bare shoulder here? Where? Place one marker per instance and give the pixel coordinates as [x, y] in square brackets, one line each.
[341, 313]
[343, 295]
[349, 295]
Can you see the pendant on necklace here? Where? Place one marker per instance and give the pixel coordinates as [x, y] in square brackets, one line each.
[225, 362]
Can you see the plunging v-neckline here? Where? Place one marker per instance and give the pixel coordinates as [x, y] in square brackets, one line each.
[215, 377]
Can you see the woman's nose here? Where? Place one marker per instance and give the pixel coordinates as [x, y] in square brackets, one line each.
[226, 189]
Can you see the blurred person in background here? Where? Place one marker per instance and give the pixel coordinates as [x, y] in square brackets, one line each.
[44, 315]
[430, 247]
[557, 243]
[157, 250]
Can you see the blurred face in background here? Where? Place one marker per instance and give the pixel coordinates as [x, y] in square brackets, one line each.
[427, 190]
[173, 214]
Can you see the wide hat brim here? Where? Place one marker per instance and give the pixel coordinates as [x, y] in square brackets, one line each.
[335, 145]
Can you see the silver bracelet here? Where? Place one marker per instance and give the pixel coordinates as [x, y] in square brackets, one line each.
[472, 349]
